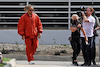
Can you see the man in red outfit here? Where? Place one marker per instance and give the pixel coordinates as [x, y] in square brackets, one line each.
[30, 27]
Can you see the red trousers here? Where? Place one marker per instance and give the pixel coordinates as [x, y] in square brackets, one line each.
[31, 46]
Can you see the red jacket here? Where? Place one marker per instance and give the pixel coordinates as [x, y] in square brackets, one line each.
[30, 27]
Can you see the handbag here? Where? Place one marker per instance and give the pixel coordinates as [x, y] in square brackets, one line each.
[96, 33]
[70, 38]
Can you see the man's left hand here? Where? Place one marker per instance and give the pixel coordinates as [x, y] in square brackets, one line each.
[39, 35]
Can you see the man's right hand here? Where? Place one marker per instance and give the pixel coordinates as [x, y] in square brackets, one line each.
[23, 37]
[82, 13]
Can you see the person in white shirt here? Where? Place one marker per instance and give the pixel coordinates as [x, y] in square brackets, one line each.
[88, 25]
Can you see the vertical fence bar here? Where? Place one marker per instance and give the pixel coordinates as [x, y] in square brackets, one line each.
[69, 14]
[27, 2]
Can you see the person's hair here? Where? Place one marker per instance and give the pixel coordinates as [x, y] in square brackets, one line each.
[75, 15]
[27, 7]
[91, 9]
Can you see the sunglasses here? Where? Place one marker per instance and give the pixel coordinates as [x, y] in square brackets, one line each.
[31, 10]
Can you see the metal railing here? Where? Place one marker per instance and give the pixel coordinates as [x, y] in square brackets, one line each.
[44, 9]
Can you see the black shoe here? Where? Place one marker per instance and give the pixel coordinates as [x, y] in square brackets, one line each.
[85, 64]
[75, 63]
[72, 61]
[94, 63]
[88, 64]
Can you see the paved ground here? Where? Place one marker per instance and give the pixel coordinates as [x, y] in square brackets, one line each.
[24, 63]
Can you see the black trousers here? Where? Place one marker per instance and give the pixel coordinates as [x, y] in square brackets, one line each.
[75, 43]
[93, 49]
[86, 49]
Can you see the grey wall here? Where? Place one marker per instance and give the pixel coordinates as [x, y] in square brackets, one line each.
[55, 37]
[48, 37]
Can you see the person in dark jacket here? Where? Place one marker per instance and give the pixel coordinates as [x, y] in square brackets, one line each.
[75, 42]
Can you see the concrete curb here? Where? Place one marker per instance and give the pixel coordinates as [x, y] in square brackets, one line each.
[45, 57]
[11, 63]
[8, 65]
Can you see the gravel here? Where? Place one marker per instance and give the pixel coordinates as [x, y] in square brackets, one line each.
[41, 50]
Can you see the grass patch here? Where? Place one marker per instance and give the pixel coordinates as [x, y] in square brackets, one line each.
[6, 59]
[2, 64]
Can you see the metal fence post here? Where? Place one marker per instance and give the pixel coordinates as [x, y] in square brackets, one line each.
[27, 2]
[69, 14]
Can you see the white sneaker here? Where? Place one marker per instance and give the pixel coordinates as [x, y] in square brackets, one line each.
[31, 62]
